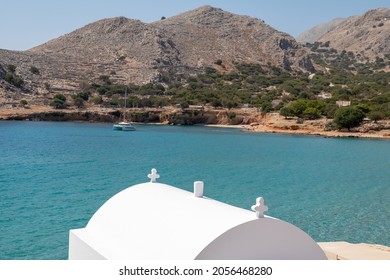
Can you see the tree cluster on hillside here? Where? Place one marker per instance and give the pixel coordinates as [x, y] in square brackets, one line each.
[324, 55]
[59, 101]
[11, 77]
[298, 94]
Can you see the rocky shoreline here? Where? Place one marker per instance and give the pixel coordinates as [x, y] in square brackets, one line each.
[249, 120]
[274, 123]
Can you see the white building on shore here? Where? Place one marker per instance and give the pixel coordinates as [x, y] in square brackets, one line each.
[160, 222]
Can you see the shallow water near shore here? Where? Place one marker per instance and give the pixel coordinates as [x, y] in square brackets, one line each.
[54, 176]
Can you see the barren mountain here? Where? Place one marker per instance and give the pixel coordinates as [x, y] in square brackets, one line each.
[367, 35]
[130, 51]
[313, 34]
[128, 48]
[206, 34]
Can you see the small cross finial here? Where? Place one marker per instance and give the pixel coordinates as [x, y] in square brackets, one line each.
[153, 176]
[260, 207]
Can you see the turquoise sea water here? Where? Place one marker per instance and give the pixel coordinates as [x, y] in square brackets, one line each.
[54, 176]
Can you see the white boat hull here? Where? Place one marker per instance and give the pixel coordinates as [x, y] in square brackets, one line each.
[123, 126]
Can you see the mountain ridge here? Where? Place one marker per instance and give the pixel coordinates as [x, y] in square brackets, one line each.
[313, 34]
[193, 39]
[367, 35]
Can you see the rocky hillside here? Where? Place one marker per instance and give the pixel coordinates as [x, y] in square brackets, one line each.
[193, 39]
[313, 34]
[367, 36]
[125, 49]
[130, 51]
[202, 36]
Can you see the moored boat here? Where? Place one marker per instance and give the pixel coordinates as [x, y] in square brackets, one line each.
[124, 125]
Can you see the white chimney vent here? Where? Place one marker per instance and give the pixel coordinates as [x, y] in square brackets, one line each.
[198, 188]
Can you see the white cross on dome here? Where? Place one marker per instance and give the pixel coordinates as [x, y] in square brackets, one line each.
[153, 176]
[260, 207]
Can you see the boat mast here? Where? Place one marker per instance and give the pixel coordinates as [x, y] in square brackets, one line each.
[124, 112]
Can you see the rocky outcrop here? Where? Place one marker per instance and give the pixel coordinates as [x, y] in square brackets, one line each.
[207, 34]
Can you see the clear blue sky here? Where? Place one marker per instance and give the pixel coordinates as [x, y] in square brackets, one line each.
[28, 23]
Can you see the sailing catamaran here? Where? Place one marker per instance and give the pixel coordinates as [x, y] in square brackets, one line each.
[124, 124]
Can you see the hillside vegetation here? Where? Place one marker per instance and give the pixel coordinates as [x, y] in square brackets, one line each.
[269, 89]
[205, 58]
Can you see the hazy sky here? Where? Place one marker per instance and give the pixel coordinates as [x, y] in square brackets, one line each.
[28, 23]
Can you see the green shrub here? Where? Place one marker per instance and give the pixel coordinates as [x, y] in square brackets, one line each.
[348, 117]
[34, 70]
[11, 68]
[375, 116]
[17, 81]
[210, 70]
[97, 100]
[298, 107]
[78, 101]
[286, 112]
[14, 79]
[105, 79]
[218, 62]
[47, 86]
[311, 113]
[184, 105]
[59, 101]
[60, 97]
[9, 77]
[84, 95]
[102, 90]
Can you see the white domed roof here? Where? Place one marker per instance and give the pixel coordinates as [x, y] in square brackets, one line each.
[158, 221]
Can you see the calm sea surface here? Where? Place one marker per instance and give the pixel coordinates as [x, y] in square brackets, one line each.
[54, 176]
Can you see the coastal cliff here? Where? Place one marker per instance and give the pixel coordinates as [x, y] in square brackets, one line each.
[248, 119]
[165, 115]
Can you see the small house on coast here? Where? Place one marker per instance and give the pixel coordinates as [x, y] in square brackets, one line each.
[161, 222]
